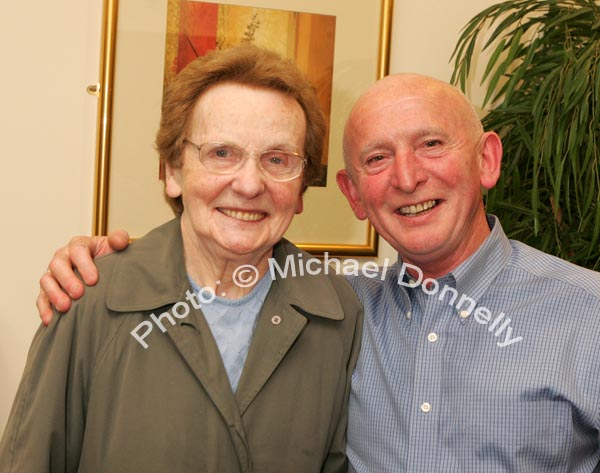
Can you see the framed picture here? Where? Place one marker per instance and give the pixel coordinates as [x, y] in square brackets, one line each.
[343, 47]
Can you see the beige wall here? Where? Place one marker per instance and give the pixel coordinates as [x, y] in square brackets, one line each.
[49, 54]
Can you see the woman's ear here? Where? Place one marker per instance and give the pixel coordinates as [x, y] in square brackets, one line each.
[300, 204]
[172, 181]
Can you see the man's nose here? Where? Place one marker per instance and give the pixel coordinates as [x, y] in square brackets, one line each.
[406, 172]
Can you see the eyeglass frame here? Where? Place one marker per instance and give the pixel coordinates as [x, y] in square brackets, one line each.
[246, 153]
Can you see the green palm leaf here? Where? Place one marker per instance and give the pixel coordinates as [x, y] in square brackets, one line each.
[542, 81]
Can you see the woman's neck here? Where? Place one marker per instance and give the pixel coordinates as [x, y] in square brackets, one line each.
[230, 276]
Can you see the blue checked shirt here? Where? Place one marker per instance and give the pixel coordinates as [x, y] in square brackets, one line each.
[506, 379]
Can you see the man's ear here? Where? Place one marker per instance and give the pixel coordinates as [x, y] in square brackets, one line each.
[348, 188]
[172, 181]
[490, 151]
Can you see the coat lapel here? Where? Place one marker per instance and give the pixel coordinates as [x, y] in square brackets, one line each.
[277, 329]
[195, 343]
[282, 319]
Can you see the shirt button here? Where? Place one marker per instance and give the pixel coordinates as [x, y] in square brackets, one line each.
[432, 337]
[409, 315]
[425, 407]
[275, 320]
[463, 314]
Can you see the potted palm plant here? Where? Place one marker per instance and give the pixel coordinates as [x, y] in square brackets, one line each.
[542, 92]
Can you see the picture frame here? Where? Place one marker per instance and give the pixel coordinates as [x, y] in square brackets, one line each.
[128, 193]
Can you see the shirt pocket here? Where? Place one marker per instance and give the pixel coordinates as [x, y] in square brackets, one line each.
[505, 435]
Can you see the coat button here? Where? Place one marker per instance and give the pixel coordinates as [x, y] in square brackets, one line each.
[275, 320]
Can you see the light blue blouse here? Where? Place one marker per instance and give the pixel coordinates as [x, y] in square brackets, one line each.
[232, 323]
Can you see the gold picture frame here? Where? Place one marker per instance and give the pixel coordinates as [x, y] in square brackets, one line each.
[127, 192]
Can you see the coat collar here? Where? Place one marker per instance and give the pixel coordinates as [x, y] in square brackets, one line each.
[311, 293]
[151, 274]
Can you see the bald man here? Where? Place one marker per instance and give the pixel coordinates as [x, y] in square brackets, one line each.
[479, 354]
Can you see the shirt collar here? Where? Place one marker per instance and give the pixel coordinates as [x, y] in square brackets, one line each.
[475, 275]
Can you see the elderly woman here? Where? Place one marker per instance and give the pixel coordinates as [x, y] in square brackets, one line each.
[167, 365]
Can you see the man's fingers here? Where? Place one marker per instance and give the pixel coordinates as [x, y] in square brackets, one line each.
[60, 284]
[81, 255]
[44, 309]
[61, 274]
[118, 240]
[51, 293]
[82, 250]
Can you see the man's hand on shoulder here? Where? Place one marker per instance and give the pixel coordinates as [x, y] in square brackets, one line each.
[59, 284]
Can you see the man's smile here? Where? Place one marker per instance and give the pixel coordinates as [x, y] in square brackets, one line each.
[418, 209]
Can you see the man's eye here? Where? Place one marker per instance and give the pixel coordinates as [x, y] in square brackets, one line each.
[432, 143]
[375, 159]
[377, 163]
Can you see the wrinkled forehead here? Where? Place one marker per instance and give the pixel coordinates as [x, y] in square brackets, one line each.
[404, 114]
[229, 106]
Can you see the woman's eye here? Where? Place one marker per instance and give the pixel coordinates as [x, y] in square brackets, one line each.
[275, 160]
[221, 153]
